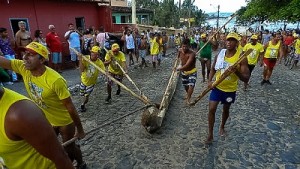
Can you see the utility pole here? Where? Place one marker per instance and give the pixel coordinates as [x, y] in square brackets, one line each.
[218, 17]
[133, 8]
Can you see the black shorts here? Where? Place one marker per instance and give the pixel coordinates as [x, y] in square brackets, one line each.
[251, 67]
[130, 51]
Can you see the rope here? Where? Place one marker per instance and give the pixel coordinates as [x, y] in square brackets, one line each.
[105, 124]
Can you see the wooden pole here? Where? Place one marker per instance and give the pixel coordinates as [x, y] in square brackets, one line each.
[128, 77]
[218, 30]
[113, 79]
[223, 76]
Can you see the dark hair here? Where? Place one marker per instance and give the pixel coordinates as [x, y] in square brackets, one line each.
[87, 31]
[186, 42]
[37, 33]
[2, 30]
[70, 24]
[101, 29]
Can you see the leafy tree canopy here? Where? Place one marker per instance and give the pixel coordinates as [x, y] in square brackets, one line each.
[271, 10]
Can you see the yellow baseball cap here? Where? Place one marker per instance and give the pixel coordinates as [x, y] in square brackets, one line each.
[233, 35]
[38, 48]
[254, 37]
[115, 47]
[203, 35]
[95, 49]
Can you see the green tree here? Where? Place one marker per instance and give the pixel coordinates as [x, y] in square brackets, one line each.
[272, 10]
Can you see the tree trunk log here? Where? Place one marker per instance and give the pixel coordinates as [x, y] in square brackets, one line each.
[152, 117]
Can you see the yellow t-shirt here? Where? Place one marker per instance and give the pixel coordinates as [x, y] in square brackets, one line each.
[297, 46]
[154, 50]
[46, 91]
[114, 68]
[18, 154]
[240, 48]
[177, 41]
[90, 74]
[230, 84]
[253, 56]
[161, 48]
[272, 50]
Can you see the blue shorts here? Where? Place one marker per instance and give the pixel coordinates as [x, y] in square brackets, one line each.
[56, 57]
[73, 54]
[143, 53]
[221, 96]
[189, 80]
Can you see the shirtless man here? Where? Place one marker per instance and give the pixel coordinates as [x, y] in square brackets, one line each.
[22, 38]
[165, 43]
[187, 68]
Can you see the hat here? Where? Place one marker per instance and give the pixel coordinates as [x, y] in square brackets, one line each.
[254, 37]
[95, 49]
[295, 35]
[203, 35]
[38, 48]
[233, 35]
[142, 34]
[115, 47]
[51, 26]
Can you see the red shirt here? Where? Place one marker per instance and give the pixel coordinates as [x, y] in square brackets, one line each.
[288, 40]
[53, 42]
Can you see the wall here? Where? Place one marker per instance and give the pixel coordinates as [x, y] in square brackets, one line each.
[41, 13]
[118, 2]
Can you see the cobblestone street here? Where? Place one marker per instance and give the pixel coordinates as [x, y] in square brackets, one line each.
[262, 131]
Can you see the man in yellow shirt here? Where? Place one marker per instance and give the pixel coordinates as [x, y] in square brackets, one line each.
[177, 41]
[113, 57]
[154, 49]
[254, 56]
[225, 92]
[89, 75]
[24, 128]
[48, 89]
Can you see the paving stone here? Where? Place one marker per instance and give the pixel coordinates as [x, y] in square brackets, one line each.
[262, 130]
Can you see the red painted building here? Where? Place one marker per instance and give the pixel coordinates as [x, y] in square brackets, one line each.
[39, 14]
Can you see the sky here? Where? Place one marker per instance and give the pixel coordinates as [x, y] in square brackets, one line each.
[225, 5]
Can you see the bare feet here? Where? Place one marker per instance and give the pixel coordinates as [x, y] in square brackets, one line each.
[222, 132]
[209, 140]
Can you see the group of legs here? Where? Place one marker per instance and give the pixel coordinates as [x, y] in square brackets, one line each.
[67, 132]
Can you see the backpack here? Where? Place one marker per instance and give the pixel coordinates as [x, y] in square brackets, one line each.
[106, 43]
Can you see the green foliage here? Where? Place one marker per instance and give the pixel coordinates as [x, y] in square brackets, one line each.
[167, 12]
[272, 10]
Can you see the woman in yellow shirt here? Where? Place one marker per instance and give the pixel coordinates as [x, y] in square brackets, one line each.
[273, 51]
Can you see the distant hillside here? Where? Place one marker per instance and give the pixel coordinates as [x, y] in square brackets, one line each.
[222, 14]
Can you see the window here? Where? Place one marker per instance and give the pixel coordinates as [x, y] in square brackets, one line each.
[80, 23]
[123, 19]
[114, 19]
[14, 24]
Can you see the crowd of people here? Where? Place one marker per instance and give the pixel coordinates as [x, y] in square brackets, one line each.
[26, 129]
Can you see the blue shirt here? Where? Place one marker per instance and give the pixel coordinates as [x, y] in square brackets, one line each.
[74, 39]
[129, 42]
